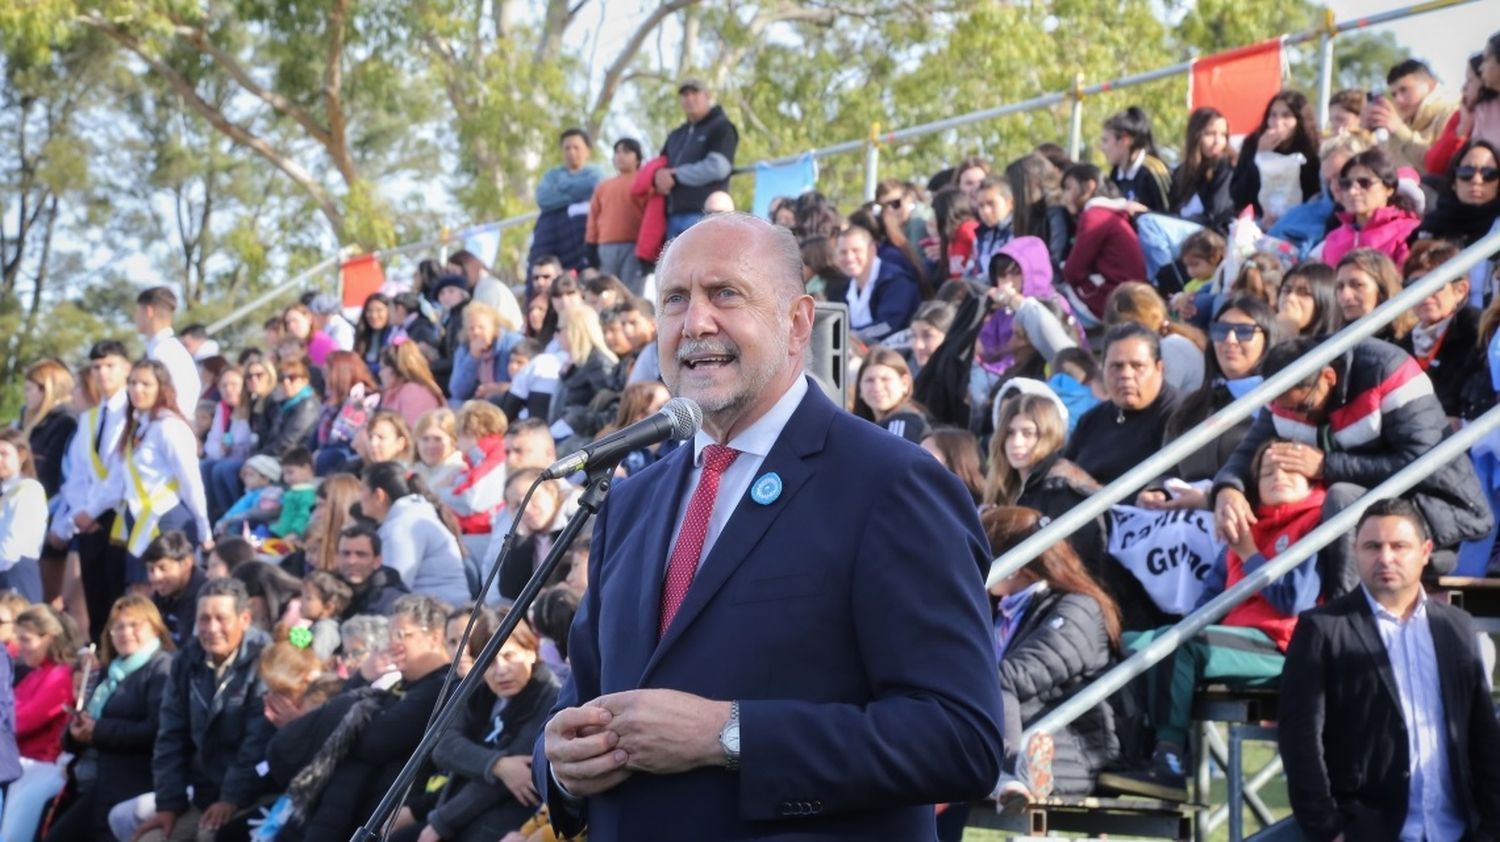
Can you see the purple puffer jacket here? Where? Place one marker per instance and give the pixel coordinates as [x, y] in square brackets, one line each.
[1036, 282]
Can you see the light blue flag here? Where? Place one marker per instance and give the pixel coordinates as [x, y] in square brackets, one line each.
[790, 180]
[485, 244]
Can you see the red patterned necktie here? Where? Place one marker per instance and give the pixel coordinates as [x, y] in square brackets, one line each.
[689, 548]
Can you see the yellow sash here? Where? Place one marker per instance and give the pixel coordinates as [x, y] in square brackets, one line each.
[148, 507]
[100, 470]
[117, 531]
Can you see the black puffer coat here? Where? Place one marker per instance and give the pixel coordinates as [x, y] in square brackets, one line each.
[1383, 414]
[1059, 648]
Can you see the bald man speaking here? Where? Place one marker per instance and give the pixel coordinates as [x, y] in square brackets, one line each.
[785, 634]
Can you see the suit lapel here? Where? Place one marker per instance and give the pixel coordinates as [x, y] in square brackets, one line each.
[661, 519]
[1445, 646]
[802, 437]
[1369, 634]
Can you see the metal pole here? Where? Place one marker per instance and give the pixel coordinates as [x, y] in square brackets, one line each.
[872, 162]
[1163, 644]
[1075, 120]
[1217, 424]
[273, 293]
[1325, 66]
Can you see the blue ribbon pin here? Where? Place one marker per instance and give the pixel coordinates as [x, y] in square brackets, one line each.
[766, 489]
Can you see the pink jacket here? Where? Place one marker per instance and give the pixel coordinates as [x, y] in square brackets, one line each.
[653, 233]
[1387, 231]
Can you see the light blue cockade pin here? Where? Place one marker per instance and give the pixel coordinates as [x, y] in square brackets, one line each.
[766, 489]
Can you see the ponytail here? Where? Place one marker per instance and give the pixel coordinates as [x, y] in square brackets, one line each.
[397, 481]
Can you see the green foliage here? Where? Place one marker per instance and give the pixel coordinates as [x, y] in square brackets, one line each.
[383, 122]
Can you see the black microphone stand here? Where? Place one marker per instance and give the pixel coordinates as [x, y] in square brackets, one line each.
[595, 490]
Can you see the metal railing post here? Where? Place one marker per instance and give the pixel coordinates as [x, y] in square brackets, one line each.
[1215, 425]
[872, 162]
[1075, 120]
[1167, 641]
[1325, 65]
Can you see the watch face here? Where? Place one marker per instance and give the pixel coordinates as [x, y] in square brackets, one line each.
[730, 739]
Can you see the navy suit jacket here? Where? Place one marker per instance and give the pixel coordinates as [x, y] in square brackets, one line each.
[893, 301]
[849, 619]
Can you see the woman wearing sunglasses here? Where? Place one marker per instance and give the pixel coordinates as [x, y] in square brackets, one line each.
[1469, 207]
[1242, 329]
[1470, 203]
[1376, 215]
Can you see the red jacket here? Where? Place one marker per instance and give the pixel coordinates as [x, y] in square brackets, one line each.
[1106, 253]
[653, 234]
[1275, 529]
[40, 718]
[479, 485]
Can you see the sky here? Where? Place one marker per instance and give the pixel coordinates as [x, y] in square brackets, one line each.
[1444, 39]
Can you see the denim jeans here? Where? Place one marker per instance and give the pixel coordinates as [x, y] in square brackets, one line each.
[680, 222]
[26, 798]
[1161, 239]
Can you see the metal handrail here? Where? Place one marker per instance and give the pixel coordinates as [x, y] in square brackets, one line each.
[1220, 422]
[274, 293]
[327, 263]
[1165, 642]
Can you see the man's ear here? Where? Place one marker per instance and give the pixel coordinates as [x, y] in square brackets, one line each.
[803, 312]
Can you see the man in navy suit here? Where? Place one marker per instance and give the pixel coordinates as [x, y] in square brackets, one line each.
[785, 634]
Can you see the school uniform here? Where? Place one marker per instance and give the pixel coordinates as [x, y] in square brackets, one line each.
[87, 466]
[23, 529]
[155, 482]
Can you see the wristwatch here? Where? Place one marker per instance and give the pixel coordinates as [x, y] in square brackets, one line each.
[729, 738]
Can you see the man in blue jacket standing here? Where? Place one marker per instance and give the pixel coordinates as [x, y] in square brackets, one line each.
[563, 197]
[700, 157]
[764, 651]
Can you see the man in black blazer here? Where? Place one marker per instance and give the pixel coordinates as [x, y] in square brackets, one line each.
[1387, 728]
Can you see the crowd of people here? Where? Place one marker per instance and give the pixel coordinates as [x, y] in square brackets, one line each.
[234, 579]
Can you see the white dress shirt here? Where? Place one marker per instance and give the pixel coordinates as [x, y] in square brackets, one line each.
[1430, 811]
[23, 520]
[167, 450]
[81, 474]
[860, 315]
[753, 443]
[165, 348]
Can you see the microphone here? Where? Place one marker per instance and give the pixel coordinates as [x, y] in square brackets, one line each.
[678, 419]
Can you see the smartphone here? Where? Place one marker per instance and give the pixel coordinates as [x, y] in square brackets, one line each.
[1373, 96]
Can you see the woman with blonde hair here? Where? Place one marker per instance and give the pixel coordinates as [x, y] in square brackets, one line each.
[476, 493]
[481, 364]
[588, 369]
[1181, 345]
[46, 420]
[115, 730]
[406, 384]
[439, 459]
[23, 518]
[287, 670]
